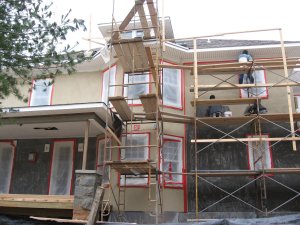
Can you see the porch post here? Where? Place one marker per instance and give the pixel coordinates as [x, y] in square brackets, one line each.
[86, 143]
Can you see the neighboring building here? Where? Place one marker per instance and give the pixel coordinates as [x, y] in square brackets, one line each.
[42, 142]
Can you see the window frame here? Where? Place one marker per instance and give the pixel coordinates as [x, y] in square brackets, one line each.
[106, 85]
[32, 93]
[11, 142]
[171, 184]
[181, 85]
[135, 102]
[266, 95]
[142, 184]
[251, 163]
[73, 162]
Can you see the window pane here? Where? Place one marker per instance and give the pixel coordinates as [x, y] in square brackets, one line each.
[134, 91]
[62, 165]
[172, 160]
[134, 154]
[259, 154]
[108, 75]
[41, 92]
[172, 87]
[6, 161]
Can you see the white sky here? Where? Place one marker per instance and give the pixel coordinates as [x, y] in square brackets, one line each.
[197, 17]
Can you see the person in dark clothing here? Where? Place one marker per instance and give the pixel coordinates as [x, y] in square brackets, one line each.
[216, 110]
[253, 109]
[246, 78]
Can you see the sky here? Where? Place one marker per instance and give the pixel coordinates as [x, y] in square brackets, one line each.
[194, 17]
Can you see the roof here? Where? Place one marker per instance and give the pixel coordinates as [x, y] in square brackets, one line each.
[223, 43]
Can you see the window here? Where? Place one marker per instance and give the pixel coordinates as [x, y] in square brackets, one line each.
[137, 84]
[41, 92]
[259, 154]
[61, 173]
[172, 87]
[108, 75]
[172, 160]
[102, 156]
[7, 152]
[133, 154]
[259, 77]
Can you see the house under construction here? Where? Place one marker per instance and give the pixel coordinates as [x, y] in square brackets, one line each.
[144, 148]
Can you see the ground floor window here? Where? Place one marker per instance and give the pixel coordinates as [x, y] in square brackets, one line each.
[62, 163]
[7, 152]
[172, 160]
[138, 150]
[259, 154]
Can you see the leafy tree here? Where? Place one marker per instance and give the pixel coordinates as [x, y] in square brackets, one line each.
[31, 44]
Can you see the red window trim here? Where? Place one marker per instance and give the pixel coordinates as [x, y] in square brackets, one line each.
[11, 142]
[102, 74]
[149, 89]
[183, 182]
[269, 148]
[148, 148]
[51, 161]
[182, 94]
[30, 95]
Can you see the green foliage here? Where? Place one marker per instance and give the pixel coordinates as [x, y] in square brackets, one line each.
[30, 44]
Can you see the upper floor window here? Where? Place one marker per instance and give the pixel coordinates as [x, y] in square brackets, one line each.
[172, 160]
[257, 77]
[259, 154]
[132, 153]
[108, 82]
[41, 92]
[136, 85]
[172, 87]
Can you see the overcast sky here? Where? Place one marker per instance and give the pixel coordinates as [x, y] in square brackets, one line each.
[197, 17]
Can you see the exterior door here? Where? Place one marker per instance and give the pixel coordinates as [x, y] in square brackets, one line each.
[7, 151]
[62, 164]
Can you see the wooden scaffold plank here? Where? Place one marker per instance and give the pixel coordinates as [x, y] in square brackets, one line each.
[150, 102]
[235, 101]
[121, 107]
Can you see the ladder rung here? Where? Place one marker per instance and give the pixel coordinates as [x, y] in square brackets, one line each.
[153, 200]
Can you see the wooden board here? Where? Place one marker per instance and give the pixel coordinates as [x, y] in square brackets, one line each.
[153, 15]
[132, 167]
[36, 201]
[121, 107]
[150, 102]
[153, 70]
[236, 101]
[144, 22]
[132, 55]
[256, 139]
[212, 87]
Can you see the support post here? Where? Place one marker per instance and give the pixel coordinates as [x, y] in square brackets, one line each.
[288, 89]
[86, 143]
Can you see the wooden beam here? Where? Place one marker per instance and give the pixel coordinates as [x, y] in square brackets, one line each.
[150, 102]
[98, 198]
[111, 133]
[153, 16]
[211, 87]
[228, 140]
[121, 107]
[288, 90]
[153, 71]
[235, 101]
[138, 4]
[86, 143]
[144, 22]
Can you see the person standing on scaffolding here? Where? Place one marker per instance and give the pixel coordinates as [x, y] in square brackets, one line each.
[246, 78]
